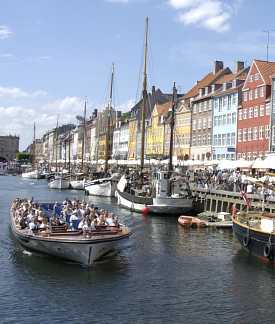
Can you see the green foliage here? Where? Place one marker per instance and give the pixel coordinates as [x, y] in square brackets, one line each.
[23, 156]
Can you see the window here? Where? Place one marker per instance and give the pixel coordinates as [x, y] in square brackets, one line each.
[205, 105]
[228, 139]
[210, 102]
[204, 140]
[220, 120]
[257, 76]
[251, 78]
[267, 109]
[194, 124]
[250, 112]
[261, 110]
[199, 124]
[199, 105]
[250, 94]
[249, 133]
[223, 139]
[245, 96]
[216, 121]
[240, 114]
[209, 139]
[234, 96]
[240, 135]
[261, 91]
[224, 119]
[199, 139]
[256, 111]
[194, 140]
[215, 139]
[229, 102]
[194, 108]
[256, 93]
[267, 131]
[216, 104]
[244, 134]
[273, 135]
[209, 122]
[204, 123]
[220, 104]
[219, 139]
[261, 132]
[233, 139]
[244, 114]
[255, 133]
[228, 121]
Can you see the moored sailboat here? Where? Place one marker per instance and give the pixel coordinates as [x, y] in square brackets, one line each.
[162, 198]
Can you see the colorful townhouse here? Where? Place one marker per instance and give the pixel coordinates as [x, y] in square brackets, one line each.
[155, 131]
[254, 113]
[226, 101]
[200, 99]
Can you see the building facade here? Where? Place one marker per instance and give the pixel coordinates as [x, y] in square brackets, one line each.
[9, 146]
[254, 113]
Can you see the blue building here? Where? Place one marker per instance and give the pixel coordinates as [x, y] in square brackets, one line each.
[225, 109]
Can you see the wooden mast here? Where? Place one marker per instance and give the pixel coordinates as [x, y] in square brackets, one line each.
[144, 96]
[172, 125]
[33, 147]
[56, 145]
[109, 113]
[83, 137]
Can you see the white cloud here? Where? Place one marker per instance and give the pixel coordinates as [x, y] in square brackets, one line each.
[5, 32]
[7, 55]
[19, 119]
[210, 14]
[17, 93]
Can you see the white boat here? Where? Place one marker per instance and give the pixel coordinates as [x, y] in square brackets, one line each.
[72, 245]
[104, 187]
[34, 174]
[161, 203]
[77, 184]
[59, 182]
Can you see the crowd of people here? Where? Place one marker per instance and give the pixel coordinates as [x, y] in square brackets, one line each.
[232, 180]
[72, 215]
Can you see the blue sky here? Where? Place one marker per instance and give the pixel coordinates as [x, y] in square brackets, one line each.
[54, 53]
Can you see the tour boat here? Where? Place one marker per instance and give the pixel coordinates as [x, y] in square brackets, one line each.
[161, 203]
[255, 232]
[189, 221]
[105, 187]
[71, 245]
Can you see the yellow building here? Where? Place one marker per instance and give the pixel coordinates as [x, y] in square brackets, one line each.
[182, 131]
[155, 132]
[132, 143]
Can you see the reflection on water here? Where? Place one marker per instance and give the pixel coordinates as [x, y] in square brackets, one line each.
[167, 274]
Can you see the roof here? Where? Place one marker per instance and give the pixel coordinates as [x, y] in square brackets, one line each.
[207, 80]
[163, 108]
[266, 69]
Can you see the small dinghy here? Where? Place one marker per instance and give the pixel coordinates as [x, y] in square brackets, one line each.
[189, 221]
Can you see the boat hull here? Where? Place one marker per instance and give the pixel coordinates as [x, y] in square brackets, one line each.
[104, 189]
[77, 184]
[172, 206]
[59, 184]
[85, 252]
[254, 241]
[31, 175]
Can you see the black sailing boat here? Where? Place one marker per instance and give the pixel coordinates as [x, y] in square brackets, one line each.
[163, 200]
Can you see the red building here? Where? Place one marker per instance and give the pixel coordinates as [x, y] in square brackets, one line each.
[254, 112]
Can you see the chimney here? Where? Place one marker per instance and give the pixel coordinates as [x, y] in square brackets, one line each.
[239, 66]
[218, 66]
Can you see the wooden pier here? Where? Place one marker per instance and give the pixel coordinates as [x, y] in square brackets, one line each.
[222, 201]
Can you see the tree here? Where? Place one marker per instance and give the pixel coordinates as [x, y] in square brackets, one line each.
[23, 156]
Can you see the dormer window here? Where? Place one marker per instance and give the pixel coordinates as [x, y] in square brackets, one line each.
[206, 91]
[200, 92]
[213, 88]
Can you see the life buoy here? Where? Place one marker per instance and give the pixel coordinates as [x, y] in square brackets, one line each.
[246, 241]
[268, 251]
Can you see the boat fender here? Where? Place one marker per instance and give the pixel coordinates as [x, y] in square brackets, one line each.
[268, 250]
[145, 211]
[246, 241]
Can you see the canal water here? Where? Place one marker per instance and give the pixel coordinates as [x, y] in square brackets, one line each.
[166, 274]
